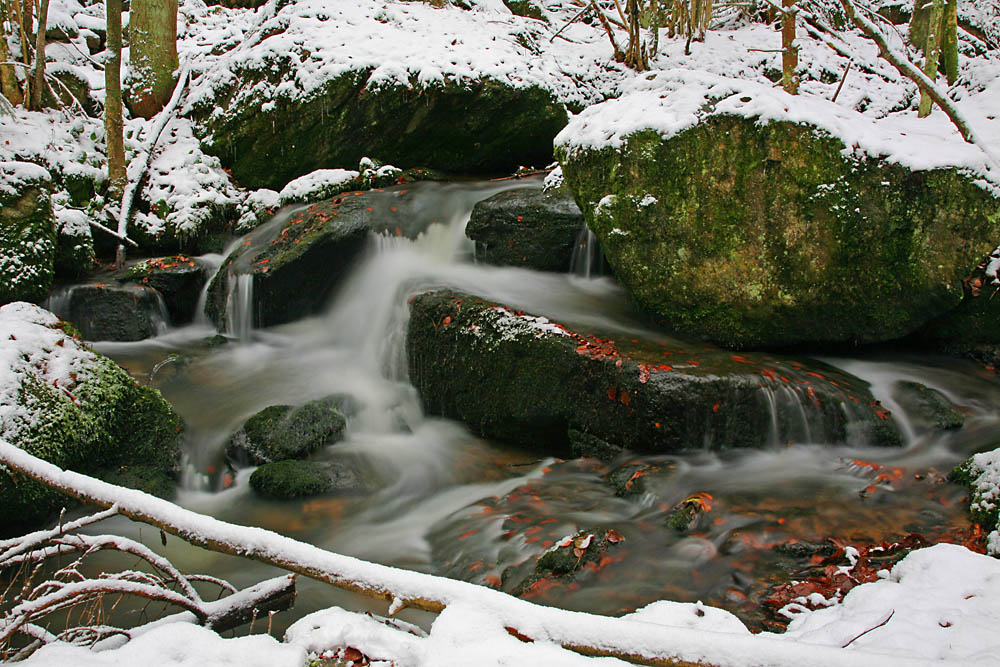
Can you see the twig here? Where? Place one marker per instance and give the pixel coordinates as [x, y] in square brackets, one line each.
[891, 612]
[842, 80]
[573, 20]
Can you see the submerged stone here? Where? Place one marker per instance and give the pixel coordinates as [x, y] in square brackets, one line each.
[927, 408]
[751, 234]
[523, 379]
[280, 432]
[526, 227]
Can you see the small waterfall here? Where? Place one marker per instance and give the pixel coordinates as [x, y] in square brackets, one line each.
[239, 306]
[586, 260]
[159, 316]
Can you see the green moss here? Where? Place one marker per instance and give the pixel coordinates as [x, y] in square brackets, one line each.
[982, 511]
[767, 235]
[284, 480]
[27, 243]
[280, 432]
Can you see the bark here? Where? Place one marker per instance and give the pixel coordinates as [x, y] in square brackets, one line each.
[113, 124]
[38, 85]
[8, 79]
[153, 42]
[701, 13]
[932, 52]
[789, 50]
[949, 41]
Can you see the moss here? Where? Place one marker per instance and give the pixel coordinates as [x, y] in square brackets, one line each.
[765, 235]
[284, 480]
[982, 511]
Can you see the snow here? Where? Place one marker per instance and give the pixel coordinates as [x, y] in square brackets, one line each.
[34, 348]
[985, 471]
[319, 184]
[177, 645]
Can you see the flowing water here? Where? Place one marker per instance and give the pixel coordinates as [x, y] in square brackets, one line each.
[453, 504]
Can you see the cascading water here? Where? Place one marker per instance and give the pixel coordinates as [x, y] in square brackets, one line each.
[451, 503]
[586, 258]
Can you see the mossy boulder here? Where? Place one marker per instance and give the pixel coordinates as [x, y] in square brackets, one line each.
[981, 474]
[756, 234]
[112, 312]
[284, 480]
[179, 279]
[280, 432]
[481, 125]
[79, 410]
[27, 233]
[526, 227]
[523, 379]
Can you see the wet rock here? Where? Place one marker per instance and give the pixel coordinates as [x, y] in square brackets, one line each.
[634, 478]
[179, 280]
[583, 552]
[284, 480]
[27, 232]
[762, 234]
[927, 408]
[104, 311]
[81, 411]
[524, 379]
[460, 126]
[282, 432]
[526, 227]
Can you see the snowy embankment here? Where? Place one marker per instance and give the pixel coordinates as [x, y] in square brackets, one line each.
[937, 604]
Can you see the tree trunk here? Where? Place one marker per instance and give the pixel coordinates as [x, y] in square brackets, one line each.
[153, 42]
[8, 78]
[38, 84]
[932, 51]
[113, 129]
[789, 50]
[919, 22]
[949, 41]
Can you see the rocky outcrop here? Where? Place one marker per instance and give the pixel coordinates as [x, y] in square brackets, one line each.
[751, 234]
[484, 125]
[526, 227]
[523, 379]
[179, 279]
[27, 232]
[77, 409]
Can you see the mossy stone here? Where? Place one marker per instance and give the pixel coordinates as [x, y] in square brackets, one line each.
[27, 240]
[280, 432]
[929, 408]
[757, 234]
[285, 480]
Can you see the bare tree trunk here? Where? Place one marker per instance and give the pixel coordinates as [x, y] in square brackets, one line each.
[38, 85]
[25, 55]
[153, 53]
[789, 50]
[8, 78]
[701, 14]
[113, 124]
[949, 41]
[932, 52]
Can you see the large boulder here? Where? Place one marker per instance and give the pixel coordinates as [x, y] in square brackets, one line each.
[64, 403]
[754, 234]
[179, 279]
[27, 232]
[526, 227]
[524, 379]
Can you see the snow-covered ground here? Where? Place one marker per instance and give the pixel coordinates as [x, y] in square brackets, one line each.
[940, 603]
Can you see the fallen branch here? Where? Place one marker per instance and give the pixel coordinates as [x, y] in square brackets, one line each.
[638, 642]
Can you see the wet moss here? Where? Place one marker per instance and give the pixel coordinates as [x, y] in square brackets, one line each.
[759, 235]
[285, 480]
[280, 432]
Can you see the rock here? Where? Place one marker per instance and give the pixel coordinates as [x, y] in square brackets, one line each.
[528, 8]
[526, 227]
[179, 280]
[77, 88]
[578, 553]
[284, 480]
[27, 233]
[981, 474]
[754, 235]
[282, 432]
[526, 380]
[77, 409]
[293, 262]
[927, 409]
[104, 311]
[480, 126]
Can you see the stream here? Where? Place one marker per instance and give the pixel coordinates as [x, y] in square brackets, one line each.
[453, 504]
